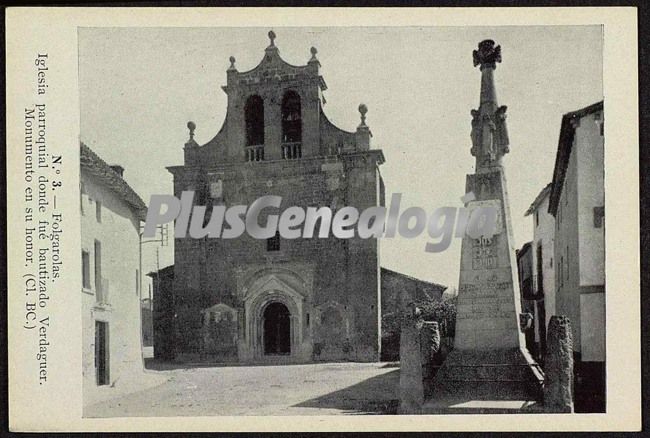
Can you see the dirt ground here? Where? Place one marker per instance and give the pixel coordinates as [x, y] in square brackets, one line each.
[312, 389]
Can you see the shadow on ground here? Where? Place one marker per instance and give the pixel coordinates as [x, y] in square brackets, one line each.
[167, 365]
[161, 365]
[376, 395]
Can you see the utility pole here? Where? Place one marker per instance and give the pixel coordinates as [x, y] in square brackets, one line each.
[163, 240]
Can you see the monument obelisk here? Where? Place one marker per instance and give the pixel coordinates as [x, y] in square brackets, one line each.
[489, 360]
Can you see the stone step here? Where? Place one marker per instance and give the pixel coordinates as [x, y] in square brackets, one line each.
[489, 375]
[486, 372]
[456, 405]
[486, 390]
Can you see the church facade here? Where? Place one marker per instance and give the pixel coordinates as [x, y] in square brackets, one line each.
[278, 300]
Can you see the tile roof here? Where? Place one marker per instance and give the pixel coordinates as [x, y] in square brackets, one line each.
[539, 199]
[94, 165]
[565, 144]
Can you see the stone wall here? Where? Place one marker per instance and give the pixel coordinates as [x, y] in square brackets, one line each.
[392, 285]
[345, 272]
[330, 286]
[163, 313]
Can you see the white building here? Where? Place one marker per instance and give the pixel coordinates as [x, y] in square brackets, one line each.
[577, 201]
[110, 258]
[542, 263]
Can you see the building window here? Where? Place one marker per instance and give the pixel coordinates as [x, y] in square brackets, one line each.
[273, 243]
[254, 115]
[291, 126]
[98, 272]
[599, 216]
[598, 118]
[567, 262]
[537, 218]
[540, 270]
[82, 192]
[85, 269]
[200, 196]
[216, 189]
[561, 271]
[98, 211]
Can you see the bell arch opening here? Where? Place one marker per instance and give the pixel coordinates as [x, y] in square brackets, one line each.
[291, 118]
[254, 118]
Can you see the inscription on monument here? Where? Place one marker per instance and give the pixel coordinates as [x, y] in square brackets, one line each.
[484, 255]
[485, 299]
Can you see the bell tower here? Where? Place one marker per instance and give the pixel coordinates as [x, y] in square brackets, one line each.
[324, 295]
[274, 109]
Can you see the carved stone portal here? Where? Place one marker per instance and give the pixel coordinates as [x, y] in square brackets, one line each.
[267, 291]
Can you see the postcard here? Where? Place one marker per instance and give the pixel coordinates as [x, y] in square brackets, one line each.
[306, 219]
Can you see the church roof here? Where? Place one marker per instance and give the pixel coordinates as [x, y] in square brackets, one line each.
[94, 165]
[386, 271]
[167, 271]
[272, 66]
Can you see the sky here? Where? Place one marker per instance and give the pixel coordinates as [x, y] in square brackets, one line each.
[140, 86]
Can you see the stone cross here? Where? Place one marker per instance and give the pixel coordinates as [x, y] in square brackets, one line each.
[489, 132]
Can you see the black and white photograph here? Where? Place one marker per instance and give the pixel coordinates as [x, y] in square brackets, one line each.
[178, 323]
[323, 219]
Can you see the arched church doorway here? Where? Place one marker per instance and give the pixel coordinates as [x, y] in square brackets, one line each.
[277, 329]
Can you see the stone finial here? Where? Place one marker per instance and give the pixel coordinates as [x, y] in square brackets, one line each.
[191, 143]
[191, 126]
[363, 109]
[487, 54]
[363, 133]
[272, 38]
[313, 54]
[232, 63]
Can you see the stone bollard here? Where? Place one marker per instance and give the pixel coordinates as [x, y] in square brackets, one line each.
[411, 391]
[429, 346]
[558, 385]
[429, 340]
